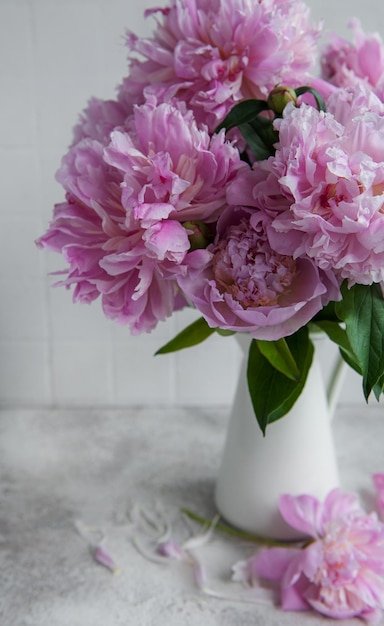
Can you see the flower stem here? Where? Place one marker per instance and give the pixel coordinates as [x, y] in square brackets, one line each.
[229, 530]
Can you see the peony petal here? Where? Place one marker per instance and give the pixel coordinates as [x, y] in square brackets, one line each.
[338, 505]
[292, 597]
[171, 550]
[167, 240]
[272, 563]
[102, 556]
[301, 512]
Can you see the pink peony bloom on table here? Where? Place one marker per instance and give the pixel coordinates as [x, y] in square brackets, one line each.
[121, 228]
[344, 63]
[213, 53]
[340, 573]
[247, 286]
[330, 170]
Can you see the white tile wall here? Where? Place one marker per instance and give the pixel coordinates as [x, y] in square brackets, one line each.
[54, 55]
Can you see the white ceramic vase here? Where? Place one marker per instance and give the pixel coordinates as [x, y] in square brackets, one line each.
[296, 456]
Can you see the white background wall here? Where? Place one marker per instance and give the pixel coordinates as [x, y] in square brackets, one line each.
[55, 54]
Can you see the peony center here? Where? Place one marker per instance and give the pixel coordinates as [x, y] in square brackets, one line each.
[245, 267]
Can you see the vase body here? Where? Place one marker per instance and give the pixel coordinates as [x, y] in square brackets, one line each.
[296, 456]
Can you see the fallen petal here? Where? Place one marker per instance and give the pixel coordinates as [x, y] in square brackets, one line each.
[147, 553]
[171, 550]
[103, 557]
[199, 573]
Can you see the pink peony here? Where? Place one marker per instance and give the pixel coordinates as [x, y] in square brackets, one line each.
[172, 169]
[340, 573]
[212, 53]
[121, 228]
[106, 259]
[247, 286]
[344, 63]
[330, 171]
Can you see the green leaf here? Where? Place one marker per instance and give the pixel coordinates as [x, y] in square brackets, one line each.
[338, 335]
[319, 100]
[280, 357]
[272, 393]
[362, 310]
[352, 362]
[260, 137]
[260, 150]
[242, 113]
[257, 145]
[378, 388]
[264, 128]
[327, 313]
[225, 333]
[195, 333]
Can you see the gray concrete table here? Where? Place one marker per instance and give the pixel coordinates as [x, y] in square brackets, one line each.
[95, 465]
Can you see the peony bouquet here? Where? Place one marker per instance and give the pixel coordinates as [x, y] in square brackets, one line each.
[229, 176]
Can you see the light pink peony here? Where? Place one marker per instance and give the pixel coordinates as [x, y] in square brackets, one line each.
[172, 169]
[121, 228]
[344, 63]
[247, 286]
[330, 170]
[212, 53]
[340, 573]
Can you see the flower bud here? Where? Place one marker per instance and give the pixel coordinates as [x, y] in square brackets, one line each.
[279, 98]
[199, 234]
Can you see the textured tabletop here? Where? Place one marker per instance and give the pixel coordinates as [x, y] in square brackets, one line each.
[62, 470]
